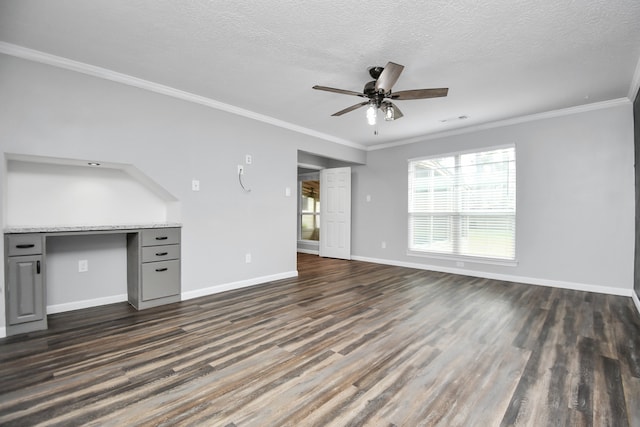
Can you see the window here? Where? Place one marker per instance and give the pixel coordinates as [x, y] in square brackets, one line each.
[309, 210]
[464, 204]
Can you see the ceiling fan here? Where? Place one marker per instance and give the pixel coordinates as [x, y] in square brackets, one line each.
[379, 93]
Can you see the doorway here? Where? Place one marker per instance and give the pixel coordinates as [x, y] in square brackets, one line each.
[324, 212]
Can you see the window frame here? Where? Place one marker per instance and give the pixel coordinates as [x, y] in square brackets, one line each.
[461, 258]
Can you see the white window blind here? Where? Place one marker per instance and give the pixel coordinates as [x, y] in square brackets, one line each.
[464, 204]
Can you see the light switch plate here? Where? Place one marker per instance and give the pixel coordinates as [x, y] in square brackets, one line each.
[195, 185]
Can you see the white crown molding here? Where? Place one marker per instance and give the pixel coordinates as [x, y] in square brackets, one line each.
[635, 83]
[507, 122]
[103, 73]
[106, 74]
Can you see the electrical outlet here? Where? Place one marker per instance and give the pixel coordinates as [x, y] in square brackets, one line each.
[248, 159]
[83, 265]
[247, 258]
[287, 191]
[384, 245]
[195, 185]
[240, 170]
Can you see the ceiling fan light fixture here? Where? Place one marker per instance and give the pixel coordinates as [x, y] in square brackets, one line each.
[372, 114]
[389, 113]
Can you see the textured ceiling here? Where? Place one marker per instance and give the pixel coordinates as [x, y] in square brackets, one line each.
[499, 59]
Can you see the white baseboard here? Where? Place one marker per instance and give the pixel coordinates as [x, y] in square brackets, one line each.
[237, 285]
[309, 251]
[636, 301]
[77, 305]
[3, 332]
[506, 277]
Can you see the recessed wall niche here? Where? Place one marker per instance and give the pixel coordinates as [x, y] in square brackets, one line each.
[63, 192]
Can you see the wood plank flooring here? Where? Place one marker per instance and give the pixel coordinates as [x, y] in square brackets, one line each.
[345, 344]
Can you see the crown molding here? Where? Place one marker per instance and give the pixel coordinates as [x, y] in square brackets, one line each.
[507, 122]
[106, 74]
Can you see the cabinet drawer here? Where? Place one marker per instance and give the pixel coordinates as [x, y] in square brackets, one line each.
[160, 253]
[160, 236]
[160, 279]
[24, 244]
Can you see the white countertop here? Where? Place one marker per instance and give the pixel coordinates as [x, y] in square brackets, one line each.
[72, 228]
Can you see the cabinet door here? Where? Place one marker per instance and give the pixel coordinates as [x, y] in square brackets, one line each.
[26, 301]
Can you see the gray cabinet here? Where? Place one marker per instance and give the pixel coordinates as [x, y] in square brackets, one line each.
[156, 278]
[24, 278]
[153, 271]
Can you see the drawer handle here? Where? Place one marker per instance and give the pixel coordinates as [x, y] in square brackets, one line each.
[25, 245]
[162, 238]
[161, 269]
[162, 253]
[37, 267]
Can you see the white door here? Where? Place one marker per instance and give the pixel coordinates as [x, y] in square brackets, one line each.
[335, 213]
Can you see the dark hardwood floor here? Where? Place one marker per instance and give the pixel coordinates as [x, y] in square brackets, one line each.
[346, 343]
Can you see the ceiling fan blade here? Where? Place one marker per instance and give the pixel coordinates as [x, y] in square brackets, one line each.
[353, 107]
[342, 91]
[389, 77]
[420, 93]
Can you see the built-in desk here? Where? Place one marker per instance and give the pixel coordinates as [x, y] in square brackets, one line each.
[153, 268]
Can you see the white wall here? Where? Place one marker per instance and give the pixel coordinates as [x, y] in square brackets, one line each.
[77, 195]
[575, 200]
[47, 111]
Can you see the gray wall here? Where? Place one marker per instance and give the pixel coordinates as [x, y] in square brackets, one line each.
[47, 111]
[106, 278]
[575, 200]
